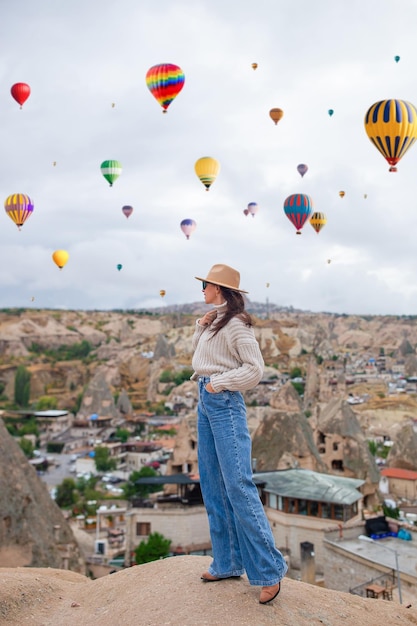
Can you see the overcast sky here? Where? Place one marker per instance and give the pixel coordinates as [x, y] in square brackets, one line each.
[82, 57]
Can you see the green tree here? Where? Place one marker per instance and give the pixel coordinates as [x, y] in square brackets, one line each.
[46, 402]
[157, 547]
[66, 494]
[296, 372]
[27, 447]
[102, 459]
[22, 386]
[131, 489]
[123, 434]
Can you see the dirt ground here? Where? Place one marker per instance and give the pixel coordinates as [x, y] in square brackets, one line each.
[170, 592]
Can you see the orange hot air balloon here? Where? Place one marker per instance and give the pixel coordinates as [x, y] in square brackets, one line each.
[342, 194]
[276, 115]
[254, 66]
[60, 258]
[162, 293]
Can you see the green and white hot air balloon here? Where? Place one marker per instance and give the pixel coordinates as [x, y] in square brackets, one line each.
[111, 170]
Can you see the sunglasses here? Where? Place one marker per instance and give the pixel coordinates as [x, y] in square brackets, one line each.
[205, 283]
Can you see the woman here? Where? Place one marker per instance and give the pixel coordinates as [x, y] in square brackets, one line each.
[227, 360]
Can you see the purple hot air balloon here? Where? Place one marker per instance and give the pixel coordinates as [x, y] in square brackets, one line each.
[188, 226]
[298, 208]
[127, 210]
[302, 169]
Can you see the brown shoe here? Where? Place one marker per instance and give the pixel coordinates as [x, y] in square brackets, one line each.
[209, 578]
[269, 593]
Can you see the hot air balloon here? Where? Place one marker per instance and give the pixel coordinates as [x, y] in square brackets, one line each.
[111, 170]
[276, 115]
[20, 92]
[60, 258]
[318, 220]
[119, 266]
[127, 210]
[245, 211]
[397, 58]
[207, 170]
[298, 208]
[254, 66]
[391, 125]
[19, 207]
[302, 169]
[342, 194]
[253, 208]
[188, 226]
[330, 112]
[365, 195]
[165, 81]
[162, 293]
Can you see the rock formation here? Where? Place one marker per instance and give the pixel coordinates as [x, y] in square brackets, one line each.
[33, 530]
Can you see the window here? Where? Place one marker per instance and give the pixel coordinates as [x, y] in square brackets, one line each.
[326, 510]
[337, 465]
[143, 528]
[313, 508]
[302, 507]
[272, 501]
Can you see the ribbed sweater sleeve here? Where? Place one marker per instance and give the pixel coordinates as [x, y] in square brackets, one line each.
[231, 358]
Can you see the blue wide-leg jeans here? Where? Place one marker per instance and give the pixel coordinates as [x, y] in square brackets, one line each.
[241, 537]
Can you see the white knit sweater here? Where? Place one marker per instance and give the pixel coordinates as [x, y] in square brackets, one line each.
[231, 358]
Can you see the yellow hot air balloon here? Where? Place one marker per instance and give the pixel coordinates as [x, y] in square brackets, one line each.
[391, 125]
[162, 293]
[207, 170]
[342, 194]
[276, 115]
[318, 220]
[254, 66]
[60, 258]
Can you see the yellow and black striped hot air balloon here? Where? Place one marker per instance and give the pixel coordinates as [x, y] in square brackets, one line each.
[318, 220]
[391, 125]
[207, 169]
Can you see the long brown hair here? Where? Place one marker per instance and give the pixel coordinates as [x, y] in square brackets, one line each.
[235, 307]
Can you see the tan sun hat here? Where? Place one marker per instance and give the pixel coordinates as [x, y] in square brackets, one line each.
[224, 276]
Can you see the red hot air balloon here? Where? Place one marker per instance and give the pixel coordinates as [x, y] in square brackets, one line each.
[165, 81]
[127, 210]
[20, 92]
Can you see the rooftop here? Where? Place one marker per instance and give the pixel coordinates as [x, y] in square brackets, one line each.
[303, 483]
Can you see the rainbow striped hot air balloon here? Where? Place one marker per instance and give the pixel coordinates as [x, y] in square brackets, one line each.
[165, 81]
[298, 208]
[391, 125]
[19, 207]
[111, 170]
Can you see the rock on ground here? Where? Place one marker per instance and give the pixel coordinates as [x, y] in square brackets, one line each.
[170, 592]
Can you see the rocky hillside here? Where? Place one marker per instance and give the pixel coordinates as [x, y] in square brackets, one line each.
[130, 348]
[33, 530]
